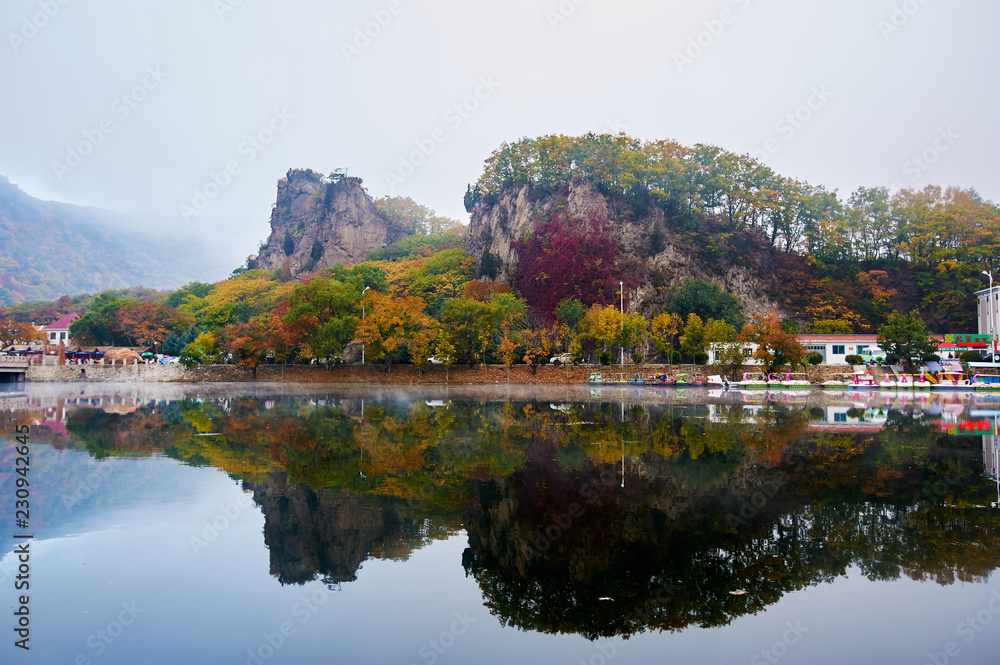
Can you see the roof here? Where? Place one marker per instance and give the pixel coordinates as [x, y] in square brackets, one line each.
[835, 338]
[63, 323]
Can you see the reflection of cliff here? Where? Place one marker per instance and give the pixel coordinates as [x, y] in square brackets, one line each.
[564, 550]
[327, 533]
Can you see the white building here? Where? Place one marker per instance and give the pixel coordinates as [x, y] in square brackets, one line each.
[988, 309]
[835, 348]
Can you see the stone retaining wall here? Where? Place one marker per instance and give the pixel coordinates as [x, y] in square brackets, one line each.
[400, 374]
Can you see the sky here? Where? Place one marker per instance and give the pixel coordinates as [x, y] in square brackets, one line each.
[196, 108]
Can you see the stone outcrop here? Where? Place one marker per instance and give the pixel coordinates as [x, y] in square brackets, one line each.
[518, 210]
[319, 222]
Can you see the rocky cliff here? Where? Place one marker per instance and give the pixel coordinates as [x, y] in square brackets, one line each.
[318, 222]
[658, 253]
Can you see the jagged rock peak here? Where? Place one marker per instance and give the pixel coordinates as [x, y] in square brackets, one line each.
[320, 221]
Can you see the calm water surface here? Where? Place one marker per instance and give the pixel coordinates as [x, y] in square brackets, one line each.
[236, 524]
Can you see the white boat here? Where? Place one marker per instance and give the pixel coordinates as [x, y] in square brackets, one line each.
[795, 381]
[753, 381]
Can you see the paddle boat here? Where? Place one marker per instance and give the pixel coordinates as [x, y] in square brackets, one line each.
[795, 381]
[862, 381]
[753, 381]
[595, 377]
[920, 382]
[953, 380]
[837, 384]
[986, 383]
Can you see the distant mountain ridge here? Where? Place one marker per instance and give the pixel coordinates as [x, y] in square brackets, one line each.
[49, 249]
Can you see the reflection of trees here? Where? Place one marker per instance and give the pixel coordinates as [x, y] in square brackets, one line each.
[328, 533]
[715, 500]
[667, 556]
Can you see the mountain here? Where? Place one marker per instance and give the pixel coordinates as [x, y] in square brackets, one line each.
[650, 252]
[319, 222]
[49, 249]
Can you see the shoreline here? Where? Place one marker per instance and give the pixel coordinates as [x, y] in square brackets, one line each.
[364, 374]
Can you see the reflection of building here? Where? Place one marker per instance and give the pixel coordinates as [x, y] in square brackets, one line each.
[991, 456]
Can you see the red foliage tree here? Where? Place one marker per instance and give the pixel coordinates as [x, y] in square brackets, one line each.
[567, 258]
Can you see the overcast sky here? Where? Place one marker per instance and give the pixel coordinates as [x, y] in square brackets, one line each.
[133, 105]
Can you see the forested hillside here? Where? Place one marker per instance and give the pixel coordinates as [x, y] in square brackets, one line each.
[592, 246]
[51, 249]
[823, 259]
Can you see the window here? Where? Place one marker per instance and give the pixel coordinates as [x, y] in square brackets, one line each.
[52, 336]
[838, 349]
[62, 335]
[840, 417]
[747, 353]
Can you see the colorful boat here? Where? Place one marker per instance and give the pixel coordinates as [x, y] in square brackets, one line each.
[986, 383]
[753, 381]
[953, 380]
[837, 384]
[862, 381]
[795, 381]
[596, 377]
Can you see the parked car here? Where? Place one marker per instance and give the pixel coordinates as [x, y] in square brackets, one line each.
[562, 359]
[434, 360]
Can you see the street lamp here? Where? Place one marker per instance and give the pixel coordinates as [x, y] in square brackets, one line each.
[992, 306]
[621, 293]
[362, 321]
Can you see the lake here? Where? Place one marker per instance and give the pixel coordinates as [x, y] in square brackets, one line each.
[253, 524]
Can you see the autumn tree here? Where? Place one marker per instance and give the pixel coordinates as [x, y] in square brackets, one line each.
[775, 347]
[693, 337]
[722, 337]
[391, 323]
[15, 332]
[602, 326]
[566, 258]
[663, 329]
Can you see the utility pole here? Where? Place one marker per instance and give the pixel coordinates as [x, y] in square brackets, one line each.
[992, 305]
[621, 293]
[362, 321]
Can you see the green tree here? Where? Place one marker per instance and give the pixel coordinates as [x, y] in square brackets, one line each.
[905, 337]
[708, 301]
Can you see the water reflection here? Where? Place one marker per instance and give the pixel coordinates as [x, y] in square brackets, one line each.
[602, 512]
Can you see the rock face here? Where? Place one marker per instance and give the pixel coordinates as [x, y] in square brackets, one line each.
[319, 534]
[517, 212]
[317, 222]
